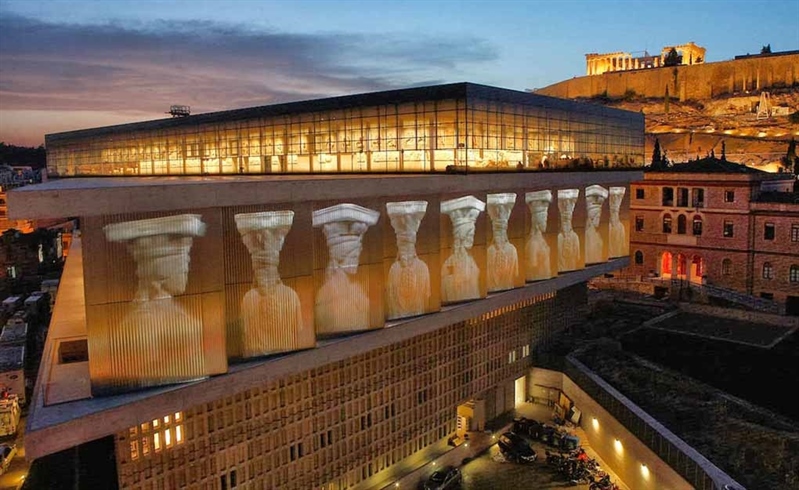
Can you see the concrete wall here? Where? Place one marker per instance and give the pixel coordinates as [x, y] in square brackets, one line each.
[697, 82]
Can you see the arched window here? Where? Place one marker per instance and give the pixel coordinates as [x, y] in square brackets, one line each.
[794, 274]
[697, 225]
[682, 224]
[768, 271]
[726, 267]
[666, 223]
[639, 258]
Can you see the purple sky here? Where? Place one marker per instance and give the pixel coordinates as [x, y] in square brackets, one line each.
[75, 64]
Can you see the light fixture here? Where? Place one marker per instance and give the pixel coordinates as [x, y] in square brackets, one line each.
[595, 423]
[644, 470]
[396, 484]
[618, 446]
[467, 444]
[434, 463]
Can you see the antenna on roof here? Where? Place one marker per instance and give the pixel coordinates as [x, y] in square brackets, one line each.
[179, 110]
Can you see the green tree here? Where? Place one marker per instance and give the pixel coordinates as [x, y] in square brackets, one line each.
[766, 49]
[666, 101]
[672, 59]
[657, 158]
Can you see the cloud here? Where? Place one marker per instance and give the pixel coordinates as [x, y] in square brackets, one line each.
[209, 65]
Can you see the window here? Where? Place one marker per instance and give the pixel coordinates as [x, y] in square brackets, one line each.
[697, 225]
[795, 233]
[726, 267]
[682, 224]
[728, 229]
[699, 198]
[682, 197]
[639, 223]
[668, 196]
[639, 193]
[793, 276]
[767, 295]
[729, 196]
[768, 271]
[667, 223]
[768, 231]
[639, 257]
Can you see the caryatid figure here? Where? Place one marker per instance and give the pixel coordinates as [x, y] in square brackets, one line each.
[270, 312]
[460, 276]
[538, 261]
[568, 241]
[408, 288]
[157, 342]
[341, 304]
[595, 196]
[617, 246]
[503, 260]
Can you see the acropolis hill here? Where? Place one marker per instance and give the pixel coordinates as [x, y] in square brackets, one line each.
[691, 108]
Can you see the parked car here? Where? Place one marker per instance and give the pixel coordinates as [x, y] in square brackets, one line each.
[516, 449]
[7, 453]
[447, 477]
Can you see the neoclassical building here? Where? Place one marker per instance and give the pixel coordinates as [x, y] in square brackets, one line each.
[720, 223]
[302, 295]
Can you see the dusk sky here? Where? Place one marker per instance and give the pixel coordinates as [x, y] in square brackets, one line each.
[68, 65]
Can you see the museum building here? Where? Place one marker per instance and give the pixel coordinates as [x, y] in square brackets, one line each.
[303, 295]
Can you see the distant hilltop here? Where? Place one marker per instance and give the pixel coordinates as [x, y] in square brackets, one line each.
[683, 54]
[691, 78]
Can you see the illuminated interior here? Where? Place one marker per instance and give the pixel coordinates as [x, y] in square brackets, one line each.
[493, 129]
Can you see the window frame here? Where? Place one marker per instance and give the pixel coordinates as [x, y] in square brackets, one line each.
[726, 267]
[768, 271]
[794, 233]
[697, 230]
[728, 232]
[639, 219]
[639, 193]
[769, 231]
[636, 256]
[663, 200]
[793, 274]
[667, 223]
[729, 195]
[682, 224]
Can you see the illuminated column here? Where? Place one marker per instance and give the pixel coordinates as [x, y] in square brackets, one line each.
[157, 342]
[270, 311]
[568, 241]
[460, 276]
[538, 262]
[617, 235]
[408, 287]
[503, 260]
[341, 304]
[595, 196]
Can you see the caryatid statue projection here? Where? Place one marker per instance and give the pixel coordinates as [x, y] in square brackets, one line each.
[460, 276]
[408, 288]
[595, 196]
[157, 342]
[503, 260]
[617, 236]
[341, 304]
[270, 312]
[538, 261]
[568, 241]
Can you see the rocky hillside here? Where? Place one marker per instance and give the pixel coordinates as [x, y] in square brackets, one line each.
[687, 130]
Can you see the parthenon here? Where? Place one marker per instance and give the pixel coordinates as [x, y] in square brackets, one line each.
[597, 64]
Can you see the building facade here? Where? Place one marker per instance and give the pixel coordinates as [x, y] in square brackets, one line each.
[315, 318]
[719, 223]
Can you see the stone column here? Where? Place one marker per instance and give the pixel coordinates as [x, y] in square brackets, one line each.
[503, 260]
[460, 276]
[537, 256]
[341, 303]
[157, 342]
[568, 241]
[595, 196]
[408, 286]
[270, 311]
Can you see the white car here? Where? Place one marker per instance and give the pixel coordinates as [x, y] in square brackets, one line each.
[7, 453]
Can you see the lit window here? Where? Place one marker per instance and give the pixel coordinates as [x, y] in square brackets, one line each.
[145, 427]
[166, 419]
[768, 271]
[145, 446]
[177, 416]
[768, 231]
[168, 437]
[156, 422]
[728, 231]
[157, 441]
[794, 274]
[179, 434]
[134, 450]
[697, 225]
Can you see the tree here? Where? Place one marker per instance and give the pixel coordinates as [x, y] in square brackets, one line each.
[790, 161]
[723, 151]
[766, 49]
[672, 59]
[666, 101]
[657, 158]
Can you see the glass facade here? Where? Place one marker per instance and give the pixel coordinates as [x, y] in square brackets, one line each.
[414, 130]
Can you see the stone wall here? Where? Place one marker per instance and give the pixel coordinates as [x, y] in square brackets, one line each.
[694, 82]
